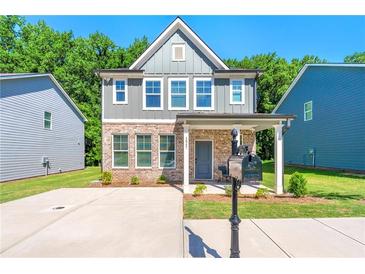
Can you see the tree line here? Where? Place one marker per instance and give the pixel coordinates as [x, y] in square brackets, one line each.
[38, 48]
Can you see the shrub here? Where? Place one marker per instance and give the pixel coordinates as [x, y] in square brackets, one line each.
[261, 193]
[199, 189]
[134, 180]
[161, 179]
[228, 190]
[297, 185]
[106, 178]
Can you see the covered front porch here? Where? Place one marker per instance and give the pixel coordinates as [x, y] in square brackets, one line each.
[207, 146]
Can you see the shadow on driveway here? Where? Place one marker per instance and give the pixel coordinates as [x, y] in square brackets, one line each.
[197, 247]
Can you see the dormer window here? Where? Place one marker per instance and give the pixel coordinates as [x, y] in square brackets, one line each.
[178, 52]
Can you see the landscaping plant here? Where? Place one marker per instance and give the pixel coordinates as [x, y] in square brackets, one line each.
[228, 190]
[261, 193]
[199, 189]
[134, 180]
[161, 179]
[297, 184]
[106, 178]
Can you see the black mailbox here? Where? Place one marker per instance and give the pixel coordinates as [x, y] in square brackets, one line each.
[251, 168]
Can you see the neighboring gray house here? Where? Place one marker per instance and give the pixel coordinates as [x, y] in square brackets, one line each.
[172, 110]
[38, 123]
[329, 102]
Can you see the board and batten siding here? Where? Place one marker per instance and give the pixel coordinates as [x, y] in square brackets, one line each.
[24, 141]
[337, 130]
[160, 65]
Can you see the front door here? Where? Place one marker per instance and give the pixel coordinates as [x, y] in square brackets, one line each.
[203, 160]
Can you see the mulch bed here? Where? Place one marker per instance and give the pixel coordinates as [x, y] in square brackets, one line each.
[142, 184]
[251, 198]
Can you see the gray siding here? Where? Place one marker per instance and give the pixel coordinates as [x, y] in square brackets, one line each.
[134, 108]
[23, 140]
[161, 62]
[337, 131]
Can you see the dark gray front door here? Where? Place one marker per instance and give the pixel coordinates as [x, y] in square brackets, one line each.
[203, 160]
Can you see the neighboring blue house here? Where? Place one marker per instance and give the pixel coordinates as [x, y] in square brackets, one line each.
[329, 102]
[41, 128]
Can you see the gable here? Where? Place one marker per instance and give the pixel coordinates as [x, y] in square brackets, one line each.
[195, 61]
[180, 25]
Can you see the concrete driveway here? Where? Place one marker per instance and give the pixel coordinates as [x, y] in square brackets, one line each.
[107, 222]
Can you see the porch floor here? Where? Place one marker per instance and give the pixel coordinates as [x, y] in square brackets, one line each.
[215, 187]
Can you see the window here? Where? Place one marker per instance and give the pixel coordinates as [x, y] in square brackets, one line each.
[167, 151]
[178, 52]
[120, 95]
[144, 151]
[47, 120]
[237, 92]
[120, 151]
[178, 94]
[153, 94]
[204, 96]
[308, 111]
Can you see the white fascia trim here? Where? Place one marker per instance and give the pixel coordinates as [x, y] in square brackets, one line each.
[212, 94]
[139, 121]
[242, 102]
[186, 79]
[178, 23]
[290, 88]
[125, 102]
[56, 83]
[144, 93]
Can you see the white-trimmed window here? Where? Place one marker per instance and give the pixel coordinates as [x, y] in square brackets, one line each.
[308, 111]
[153, 94]
[143, 151]
[167, 157]
[120, 91]
[237, 91]
[120, 151]
[178, 94]
[203, 94]
[47, 120]
[178, 52]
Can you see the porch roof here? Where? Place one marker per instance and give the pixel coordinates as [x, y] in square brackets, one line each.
[253, 121]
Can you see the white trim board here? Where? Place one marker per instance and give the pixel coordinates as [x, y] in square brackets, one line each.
[166, 34]
[301, 72]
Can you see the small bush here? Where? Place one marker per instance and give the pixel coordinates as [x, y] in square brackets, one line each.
[106, 178]
[134, 180]
[199, 189]
[161, 179]
[297, 185]
[228, 190]
[261, 193]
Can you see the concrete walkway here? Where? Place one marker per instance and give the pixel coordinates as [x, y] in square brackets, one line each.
[328, 237]
[107, 222]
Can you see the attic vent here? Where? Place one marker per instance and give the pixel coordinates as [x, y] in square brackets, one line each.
[178, 52]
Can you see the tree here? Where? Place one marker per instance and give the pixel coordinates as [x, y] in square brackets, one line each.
[357, 57]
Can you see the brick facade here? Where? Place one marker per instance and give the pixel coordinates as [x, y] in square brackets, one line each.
[221, 144]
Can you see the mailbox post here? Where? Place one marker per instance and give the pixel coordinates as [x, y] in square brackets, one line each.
[234, 164]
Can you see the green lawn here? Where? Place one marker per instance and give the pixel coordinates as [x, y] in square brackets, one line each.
[344, 196]
[23, 188]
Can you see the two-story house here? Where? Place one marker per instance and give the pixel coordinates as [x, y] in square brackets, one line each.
[171, 112]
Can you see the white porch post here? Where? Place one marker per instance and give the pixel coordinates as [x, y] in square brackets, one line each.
[279, 159]
[239, 134]
[186, 158]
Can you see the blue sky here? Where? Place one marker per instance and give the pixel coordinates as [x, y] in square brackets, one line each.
[329, 37]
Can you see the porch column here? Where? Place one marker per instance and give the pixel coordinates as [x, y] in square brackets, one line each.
[279, 159]
[186, 158]
[239, 134]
